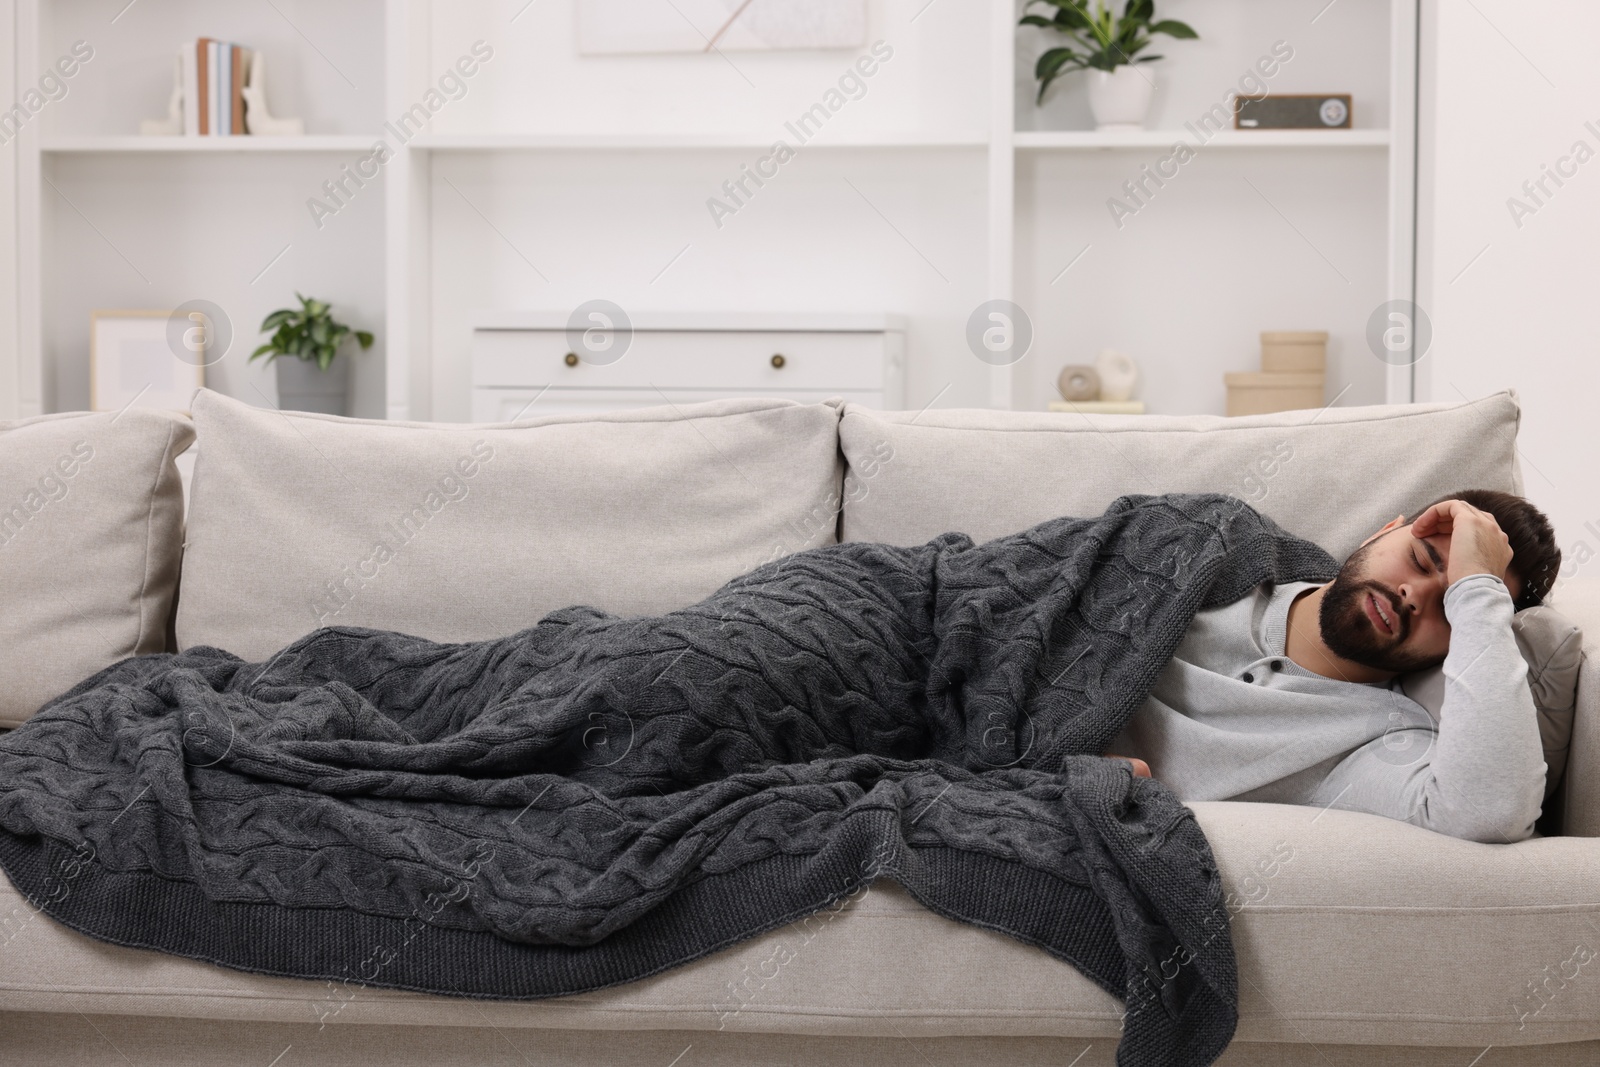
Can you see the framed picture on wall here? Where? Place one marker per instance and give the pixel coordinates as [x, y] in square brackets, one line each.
[133, 362]
[609, 27]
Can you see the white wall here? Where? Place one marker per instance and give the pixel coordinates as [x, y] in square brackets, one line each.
[1507, 88]
[157, 230]
[9, 368]
[1186, 286]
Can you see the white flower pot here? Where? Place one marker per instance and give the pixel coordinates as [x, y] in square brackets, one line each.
[304, 386]
[1120, 98]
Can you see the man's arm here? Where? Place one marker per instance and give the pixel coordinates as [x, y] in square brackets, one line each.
[1481, 776]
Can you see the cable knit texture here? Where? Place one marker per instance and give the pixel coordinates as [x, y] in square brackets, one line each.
[596, 798]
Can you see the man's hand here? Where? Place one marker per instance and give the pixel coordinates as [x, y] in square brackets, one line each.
[1141, 769]
[1477, 544]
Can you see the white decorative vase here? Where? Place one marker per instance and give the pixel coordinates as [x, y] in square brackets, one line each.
[1120, 98]
[1118, 375]
[304, 386]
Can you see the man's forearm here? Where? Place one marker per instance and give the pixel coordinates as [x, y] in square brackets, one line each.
[1486, 779]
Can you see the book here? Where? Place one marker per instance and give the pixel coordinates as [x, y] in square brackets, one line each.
[237, 99]
[224, 110]
[202, 58]
[214, 50]
[214, 75]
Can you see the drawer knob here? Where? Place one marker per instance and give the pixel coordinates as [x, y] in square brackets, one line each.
[571, 359]
[778, 360]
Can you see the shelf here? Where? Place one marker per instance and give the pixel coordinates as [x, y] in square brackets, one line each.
[703, 322]
[178, 143]
[500, 141]
[1027, 139]
[1087, 139]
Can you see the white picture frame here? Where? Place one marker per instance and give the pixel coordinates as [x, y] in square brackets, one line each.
[132, 363]
[621, 27]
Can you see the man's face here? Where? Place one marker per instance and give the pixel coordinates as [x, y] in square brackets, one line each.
[1385, 609]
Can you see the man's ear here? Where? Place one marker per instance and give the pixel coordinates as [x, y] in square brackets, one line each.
[1398, 520]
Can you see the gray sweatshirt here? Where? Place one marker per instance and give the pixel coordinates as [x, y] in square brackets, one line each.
[1233, 718]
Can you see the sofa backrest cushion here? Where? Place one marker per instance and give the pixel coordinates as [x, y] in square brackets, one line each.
[457, 531]
[1333, 476]
[91, 531]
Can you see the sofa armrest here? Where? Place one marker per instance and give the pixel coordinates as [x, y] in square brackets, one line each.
[1579, 600]
[1346, 923]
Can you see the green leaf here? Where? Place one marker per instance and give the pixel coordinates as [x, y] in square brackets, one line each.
[1174, 28]
[1072, 18]
[310, 333]
[1050, 62]
[1036, 20]
[1044, 83]
[1070, 14]
[1146, 59]
[1142, 10]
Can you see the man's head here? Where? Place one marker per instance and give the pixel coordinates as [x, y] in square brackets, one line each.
[1405, 578]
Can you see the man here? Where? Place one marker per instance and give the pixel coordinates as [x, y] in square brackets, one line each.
[1291, 695]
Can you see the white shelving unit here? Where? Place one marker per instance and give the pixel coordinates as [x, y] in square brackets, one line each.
[556, 178]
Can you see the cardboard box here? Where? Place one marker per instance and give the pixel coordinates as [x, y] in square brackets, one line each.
[1294, 351]
[1261, 393]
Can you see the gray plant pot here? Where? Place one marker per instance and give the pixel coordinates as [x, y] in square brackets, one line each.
[303, 386]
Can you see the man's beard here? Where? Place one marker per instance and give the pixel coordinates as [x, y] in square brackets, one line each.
[1347, 630]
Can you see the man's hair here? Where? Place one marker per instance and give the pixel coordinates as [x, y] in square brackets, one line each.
[1534, 555]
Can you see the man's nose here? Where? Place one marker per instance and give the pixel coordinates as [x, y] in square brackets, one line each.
[1415, 596]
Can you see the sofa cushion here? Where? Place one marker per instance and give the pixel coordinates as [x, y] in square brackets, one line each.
[459, 532]
[91, 531]
[1334, 476]
[1553, 647]
[1339, 918]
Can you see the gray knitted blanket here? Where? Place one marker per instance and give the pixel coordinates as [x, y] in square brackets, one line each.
[595, 798]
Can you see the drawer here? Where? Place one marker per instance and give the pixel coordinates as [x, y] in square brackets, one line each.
[511, 405]
[693, 359]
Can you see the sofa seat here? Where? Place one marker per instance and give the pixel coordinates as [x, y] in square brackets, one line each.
[1349, 929]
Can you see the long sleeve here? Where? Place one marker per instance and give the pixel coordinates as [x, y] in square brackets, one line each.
[1480, 775]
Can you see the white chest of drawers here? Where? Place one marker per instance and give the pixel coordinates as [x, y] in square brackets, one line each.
[523, 366]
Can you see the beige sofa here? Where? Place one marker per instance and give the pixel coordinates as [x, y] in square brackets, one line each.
[1359, 939]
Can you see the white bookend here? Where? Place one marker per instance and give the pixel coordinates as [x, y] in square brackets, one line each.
[191, 89]
[173, 123]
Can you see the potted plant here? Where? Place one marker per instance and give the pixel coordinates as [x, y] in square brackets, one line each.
[1108, 47]
[309, 382]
